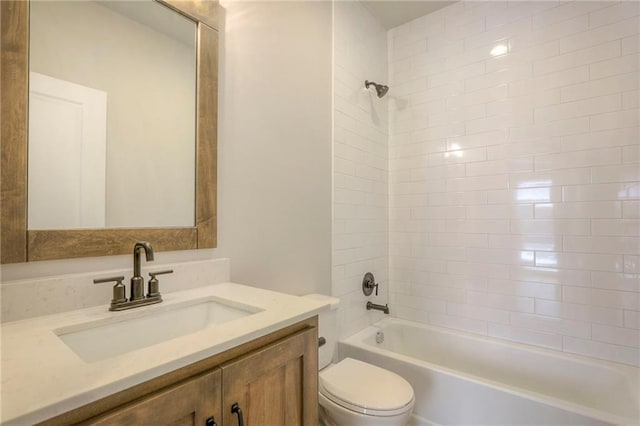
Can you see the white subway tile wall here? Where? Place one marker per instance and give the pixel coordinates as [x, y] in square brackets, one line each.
[361, 152]
[514, 181]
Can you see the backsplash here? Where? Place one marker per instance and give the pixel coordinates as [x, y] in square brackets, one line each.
[514, 177]
[27, 298]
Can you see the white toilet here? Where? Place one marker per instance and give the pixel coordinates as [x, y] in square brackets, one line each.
[354, 393]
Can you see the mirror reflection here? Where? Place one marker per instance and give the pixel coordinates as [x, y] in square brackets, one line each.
[112, 98]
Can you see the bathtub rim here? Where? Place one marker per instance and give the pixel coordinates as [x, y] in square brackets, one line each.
[630, 372]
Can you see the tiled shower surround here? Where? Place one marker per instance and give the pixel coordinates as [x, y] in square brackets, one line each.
[514, 194]
[360, 164]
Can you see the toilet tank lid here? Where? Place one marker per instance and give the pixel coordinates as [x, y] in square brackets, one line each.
[332, 301]
[365, 386]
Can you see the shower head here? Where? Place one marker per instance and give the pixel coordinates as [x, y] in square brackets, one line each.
[381, 89]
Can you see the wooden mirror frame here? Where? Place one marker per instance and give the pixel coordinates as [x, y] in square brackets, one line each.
[19, 244]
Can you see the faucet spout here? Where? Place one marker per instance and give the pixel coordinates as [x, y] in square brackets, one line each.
[384, 308]
[137, 282]
[148, 252]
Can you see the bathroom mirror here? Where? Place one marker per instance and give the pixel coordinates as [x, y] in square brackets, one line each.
[163, 191]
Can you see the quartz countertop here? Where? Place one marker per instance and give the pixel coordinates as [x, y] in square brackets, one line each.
[42, 377]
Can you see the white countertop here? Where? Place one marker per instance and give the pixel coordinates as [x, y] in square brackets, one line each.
[42, 377]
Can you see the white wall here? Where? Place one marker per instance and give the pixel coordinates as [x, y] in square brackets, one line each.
[515, 179]
[274, 155]
[275, 158]
[360, 164]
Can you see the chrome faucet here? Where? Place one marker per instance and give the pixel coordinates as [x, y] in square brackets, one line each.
[119, 302]
[137, 282]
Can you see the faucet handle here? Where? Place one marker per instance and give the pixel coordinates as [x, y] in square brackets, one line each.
[154, 285]
[108, 280]
[119, 289]
[153, 274]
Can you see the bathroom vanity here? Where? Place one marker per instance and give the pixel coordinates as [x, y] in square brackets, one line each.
[239, 354]
[271, 380]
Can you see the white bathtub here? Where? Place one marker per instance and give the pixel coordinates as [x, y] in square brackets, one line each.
[461, 378]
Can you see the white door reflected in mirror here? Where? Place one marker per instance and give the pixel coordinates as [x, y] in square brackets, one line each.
[67, 154]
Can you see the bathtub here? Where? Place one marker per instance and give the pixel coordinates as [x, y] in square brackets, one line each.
[460, 378]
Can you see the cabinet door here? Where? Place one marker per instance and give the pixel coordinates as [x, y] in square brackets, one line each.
[276, 385]
[189, 403]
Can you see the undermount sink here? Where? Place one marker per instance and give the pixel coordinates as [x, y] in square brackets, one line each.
[98, 340]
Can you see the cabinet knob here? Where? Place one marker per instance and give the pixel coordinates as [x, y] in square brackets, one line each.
[210, 422]
[235, 409]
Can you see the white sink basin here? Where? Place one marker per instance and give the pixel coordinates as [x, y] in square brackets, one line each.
[131, 330]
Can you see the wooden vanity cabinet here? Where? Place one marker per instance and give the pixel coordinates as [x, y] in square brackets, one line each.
[276, 385]
[273, 380]
[188, 403]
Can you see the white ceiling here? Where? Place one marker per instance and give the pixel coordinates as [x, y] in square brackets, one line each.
[392, 13]
[156, 16]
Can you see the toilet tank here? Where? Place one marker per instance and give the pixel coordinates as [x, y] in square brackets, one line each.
[327, 328]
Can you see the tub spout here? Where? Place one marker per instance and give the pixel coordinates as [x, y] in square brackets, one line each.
[384, 308]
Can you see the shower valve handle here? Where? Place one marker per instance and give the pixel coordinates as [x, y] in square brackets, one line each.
[368, 284]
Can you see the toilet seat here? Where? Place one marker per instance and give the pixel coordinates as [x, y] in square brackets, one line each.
[366, 389]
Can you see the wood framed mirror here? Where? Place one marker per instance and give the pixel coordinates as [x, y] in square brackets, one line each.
[20, 244]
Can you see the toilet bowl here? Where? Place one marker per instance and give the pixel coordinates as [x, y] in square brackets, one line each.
[353, 392]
